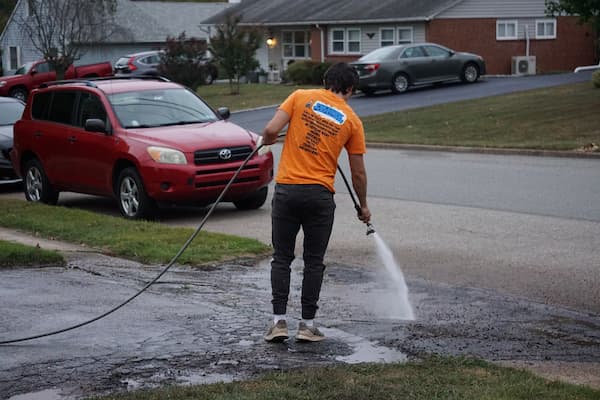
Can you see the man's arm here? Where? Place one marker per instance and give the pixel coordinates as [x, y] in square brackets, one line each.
[359, 182]
[274, 126]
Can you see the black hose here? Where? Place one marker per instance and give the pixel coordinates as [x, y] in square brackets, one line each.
[179, 253]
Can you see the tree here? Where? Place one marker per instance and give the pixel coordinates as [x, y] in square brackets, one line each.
[60, 29]
[234, 48]
[184, 61]
[587, 10]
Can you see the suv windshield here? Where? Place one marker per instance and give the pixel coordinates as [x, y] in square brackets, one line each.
[10, 112]
[153, 108]
[23, 69]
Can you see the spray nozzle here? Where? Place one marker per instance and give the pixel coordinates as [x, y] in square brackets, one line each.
[370, 229]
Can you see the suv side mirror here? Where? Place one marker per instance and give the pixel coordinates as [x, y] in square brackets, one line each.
[224, 112]
[95, 125]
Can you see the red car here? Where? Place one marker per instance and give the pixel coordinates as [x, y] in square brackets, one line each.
[33, 74]
[142, 141]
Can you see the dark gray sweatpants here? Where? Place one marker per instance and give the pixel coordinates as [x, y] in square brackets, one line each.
[312, 208]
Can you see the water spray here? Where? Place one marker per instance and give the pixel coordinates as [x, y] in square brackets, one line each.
[404, 308]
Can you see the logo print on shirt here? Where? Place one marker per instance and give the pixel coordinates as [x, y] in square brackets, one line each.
[329, 112]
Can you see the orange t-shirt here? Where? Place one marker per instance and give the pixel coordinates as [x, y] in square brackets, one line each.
[321, 124]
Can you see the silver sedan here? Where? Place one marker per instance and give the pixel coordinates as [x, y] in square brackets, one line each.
[402, 66]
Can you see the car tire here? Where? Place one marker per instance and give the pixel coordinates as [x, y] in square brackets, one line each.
[18, 93]
[36, 184]
[469, 73]
[400, 83]
[134, 203]
[253, 201]
[368, 92]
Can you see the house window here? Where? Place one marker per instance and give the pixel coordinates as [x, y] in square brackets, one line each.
[337, 41]
[506, 30]
[345, 41]
[405, 35]
[295, 44]
[545, 29]
[14, 57]
[387, 36]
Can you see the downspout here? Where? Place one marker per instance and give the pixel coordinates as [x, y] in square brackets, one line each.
[527, 40]
[322, 44]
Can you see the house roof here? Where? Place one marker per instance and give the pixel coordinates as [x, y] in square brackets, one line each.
[153, 21]
[294, 12]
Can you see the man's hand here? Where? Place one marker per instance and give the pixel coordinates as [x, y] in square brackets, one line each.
[364, 215]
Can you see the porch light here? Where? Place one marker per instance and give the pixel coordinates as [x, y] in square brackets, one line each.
[271, 42]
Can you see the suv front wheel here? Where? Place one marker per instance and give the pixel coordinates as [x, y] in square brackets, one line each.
[37, 186]
[134, 203]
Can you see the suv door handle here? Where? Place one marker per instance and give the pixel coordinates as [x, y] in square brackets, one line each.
[72, 139]
[37, 134]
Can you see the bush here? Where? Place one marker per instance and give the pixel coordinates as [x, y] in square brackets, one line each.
[596, 79]
[306, 72]
[184, 61]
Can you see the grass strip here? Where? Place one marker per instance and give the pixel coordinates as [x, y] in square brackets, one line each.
[143, 241]
[19, 255]
[251, 95]
[557, 118]
[434, 378]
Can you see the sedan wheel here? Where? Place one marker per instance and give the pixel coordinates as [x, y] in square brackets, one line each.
[134, 203]
[37, 186]
[400, 83]
[470, 73]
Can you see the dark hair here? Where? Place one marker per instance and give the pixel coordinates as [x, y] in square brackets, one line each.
[340, 77]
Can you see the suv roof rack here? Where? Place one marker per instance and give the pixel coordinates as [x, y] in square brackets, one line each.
[68, 82]
[127, 77]
[90, 81]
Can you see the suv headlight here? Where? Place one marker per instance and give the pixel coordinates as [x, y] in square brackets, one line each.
[263, 150]
[165, 155]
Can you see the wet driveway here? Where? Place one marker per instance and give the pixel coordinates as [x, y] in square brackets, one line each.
[206, 325]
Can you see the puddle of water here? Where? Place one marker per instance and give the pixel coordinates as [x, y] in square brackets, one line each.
[364, 350]
[49, 394]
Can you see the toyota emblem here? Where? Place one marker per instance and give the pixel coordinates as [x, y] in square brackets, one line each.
[225, 154]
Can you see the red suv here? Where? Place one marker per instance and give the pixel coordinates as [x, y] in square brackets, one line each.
[142, 141]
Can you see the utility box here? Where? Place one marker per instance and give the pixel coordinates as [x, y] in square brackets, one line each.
[523, 65]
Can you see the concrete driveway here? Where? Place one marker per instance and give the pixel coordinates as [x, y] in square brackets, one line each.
[474, 277]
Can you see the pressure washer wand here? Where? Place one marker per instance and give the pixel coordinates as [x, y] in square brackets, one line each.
[370, 228]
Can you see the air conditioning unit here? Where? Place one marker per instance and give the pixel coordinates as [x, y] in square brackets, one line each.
[523, 65]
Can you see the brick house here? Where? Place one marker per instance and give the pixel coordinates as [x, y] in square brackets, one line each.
[343, 30]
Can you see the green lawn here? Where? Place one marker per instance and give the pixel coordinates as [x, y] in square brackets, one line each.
[147, 242]
[15, 254]
[558, 118]
[251, 95]
[533, 119]
[435, 378]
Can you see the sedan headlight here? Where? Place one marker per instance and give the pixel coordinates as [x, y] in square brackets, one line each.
[2, 83]
[263, 150]
[164, 155]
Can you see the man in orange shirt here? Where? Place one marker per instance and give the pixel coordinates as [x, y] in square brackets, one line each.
[321, 124]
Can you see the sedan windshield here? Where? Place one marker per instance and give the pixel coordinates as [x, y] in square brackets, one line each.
[153, 108]
[380, 54]
[10, 112]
